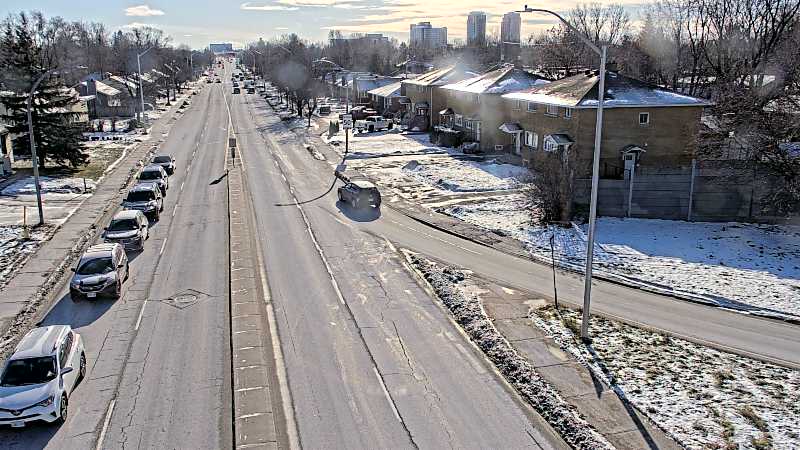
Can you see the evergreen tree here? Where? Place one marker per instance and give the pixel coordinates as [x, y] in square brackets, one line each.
[24, 57]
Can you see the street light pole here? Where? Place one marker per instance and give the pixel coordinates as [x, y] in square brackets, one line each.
[601, 51]
[141, 93]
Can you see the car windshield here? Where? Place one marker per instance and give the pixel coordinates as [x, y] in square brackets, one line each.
[162, 159]
[150, 175]
[23, 372]
[123, 225]
[96, 266]
[140, 196]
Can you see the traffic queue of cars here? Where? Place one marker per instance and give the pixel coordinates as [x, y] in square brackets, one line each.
[50, 361]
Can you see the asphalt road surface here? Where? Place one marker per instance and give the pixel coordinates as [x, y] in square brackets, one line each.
[158, 359]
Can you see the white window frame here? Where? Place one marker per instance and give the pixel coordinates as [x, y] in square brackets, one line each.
[476, 99]
[531, 140]
[551, 110]
[468, 124]
[647, 117]
[550, 145]
[459, 120]
[568, 113]
[531, 108]
[517, 105]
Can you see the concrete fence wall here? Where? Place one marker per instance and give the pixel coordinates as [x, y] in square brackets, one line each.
[720, 192]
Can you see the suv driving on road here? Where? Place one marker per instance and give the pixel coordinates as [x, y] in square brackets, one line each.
[360, 193]
[156, 174]
[129, 228]
[167, 162]
[39, 377]
[147, 198]
[101, 271]
[373, 123]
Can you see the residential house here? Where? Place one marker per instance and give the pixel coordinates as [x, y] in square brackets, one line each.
[387, 100]
[643, 124]
[363, 84]
[424, 96]
[475, 106]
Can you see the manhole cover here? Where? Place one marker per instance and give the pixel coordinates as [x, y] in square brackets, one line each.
[185, 299]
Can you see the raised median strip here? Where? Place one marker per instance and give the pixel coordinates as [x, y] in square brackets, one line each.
[255, 395]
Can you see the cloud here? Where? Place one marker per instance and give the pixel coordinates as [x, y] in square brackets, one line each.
[248, 6]
[138, 25]
[319, 3]
[187, 35]
[143, 11]
[281, 28]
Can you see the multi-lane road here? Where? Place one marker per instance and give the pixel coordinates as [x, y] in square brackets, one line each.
[371, 361]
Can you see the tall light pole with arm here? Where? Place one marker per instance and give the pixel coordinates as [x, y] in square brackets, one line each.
[34, 156]
[141, 93]
[601, 51]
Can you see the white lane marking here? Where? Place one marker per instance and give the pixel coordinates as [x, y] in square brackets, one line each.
[434, 237]
[386, 393]
[174, 210]
[389, 243]
[182, 183]
[162, 246]
[141, 314]
[106, 422]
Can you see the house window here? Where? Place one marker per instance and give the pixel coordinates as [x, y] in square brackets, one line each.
[551, 110]
[517, 105]
[644, 118]
[459, 120]
[468, 124]
[476, 98]
[531, 107]
[531, 139]
[550, 145]
[568, 113]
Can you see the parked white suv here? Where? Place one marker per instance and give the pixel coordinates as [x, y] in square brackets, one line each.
[373, 123]
[39, 377]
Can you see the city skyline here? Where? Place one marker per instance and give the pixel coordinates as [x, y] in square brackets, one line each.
[238, 22]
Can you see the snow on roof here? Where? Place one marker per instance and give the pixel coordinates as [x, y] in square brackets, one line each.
[580, 91]
[390, 90]
[368, 84]
[500, 81]
[129, 83]
[106, 89]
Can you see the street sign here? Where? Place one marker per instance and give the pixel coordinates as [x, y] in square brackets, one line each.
[341, 168]
[347, 121]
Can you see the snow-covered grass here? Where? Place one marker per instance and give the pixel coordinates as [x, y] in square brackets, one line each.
[49, 185]
[703, 397]
[469, 176]
[385, 143]
[731, 264]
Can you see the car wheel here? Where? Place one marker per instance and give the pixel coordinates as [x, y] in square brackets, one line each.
[371, 128]
[62, 410]
[82, 367]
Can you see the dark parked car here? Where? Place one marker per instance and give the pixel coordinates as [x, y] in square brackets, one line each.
[154, 173]
[236, 90]
[359, 194]
[167, 162]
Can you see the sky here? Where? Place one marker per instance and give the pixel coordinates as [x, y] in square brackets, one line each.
[200, 22]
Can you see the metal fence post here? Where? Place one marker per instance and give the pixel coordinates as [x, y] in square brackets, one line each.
[691, 190]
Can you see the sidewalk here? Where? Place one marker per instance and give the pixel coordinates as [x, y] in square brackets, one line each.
[29, 293]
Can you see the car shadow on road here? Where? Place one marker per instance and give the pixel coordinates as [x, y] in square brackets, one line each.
[35, 435]
[77, 314]
[359, 214]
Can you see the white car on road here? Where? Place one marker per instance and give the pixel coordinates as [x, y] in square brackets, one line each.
[39, 377]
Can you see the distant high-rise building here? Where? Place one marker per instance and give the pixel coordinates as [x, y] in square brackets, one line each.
[423, 34]
[510, 36]
[476, 28]
[221, 48]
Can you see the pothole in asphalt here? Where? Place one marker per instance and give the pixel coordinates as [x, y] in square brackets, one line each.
[185, 299]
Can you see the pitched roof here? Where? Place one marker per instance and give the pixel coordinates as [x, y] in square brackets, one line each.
[580, 91]
[390, 90]
[105, 89]
[499, 81]
[440, 77]
[370, 83]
